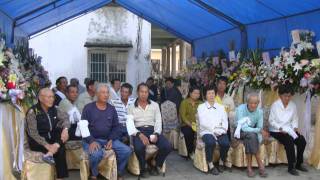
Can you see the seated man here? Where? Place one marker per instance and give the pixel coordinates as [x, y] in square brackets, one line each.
[213, 127]
[145, 125]
[249, 124]
[283, 126]
[121, 104]
[68, 106]
[47, 131]
[104, 131]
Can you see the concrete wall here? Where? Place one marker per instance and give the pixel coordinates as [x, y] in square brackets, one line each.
[63, 48]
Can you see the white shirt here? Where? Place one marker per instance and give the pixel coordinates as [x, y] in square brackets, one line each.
[139, 117]
[122, 109]
[281, 117]
[212, 119]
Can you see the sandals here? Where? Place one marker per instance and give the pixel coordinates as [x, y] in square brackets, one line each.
[263, 173]
[251, 174]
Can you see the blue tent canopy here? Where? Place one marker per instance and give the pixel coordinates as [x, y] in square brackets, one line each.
[208, 24]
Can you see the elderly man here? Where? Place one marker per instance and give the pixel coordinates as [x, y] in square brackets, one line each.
[121, 105]
[145, 125]
[68, 106]
[104, 132]
[87, 96]
[47, 131]
[213, 126]
[60, 94]
[283, 126]
[249, 124]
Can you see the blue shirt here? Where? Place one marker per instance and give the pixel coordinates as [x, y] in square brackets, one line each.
[255, 117]
[103, 124]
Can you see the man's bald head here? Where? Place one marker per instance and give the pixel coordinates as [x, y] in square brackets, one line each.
[46, 97]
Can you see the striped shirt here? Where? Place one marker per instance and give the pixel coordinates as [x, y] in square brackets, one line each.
[122, 109]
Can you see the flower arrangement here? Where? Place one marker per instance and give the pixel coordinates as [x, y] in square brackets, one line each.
[21, 75]
[298, 66]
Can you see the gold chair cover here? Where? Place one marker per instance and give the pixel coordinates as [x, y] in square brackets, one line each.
[276, 152]
[133, 164]
[314, 159]
[239, 158]
[34, 167]
[34, 170]
[182, 147]
[173, 138]
[73, 154]
[107, 167]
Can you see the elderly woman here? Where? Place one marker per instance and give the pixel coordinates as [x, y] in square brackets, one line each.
[249, 120]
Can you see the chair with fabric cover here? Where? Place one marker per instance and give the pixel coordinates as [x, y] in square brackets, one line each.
[73, 154]
[34, 167]
[107, 167]
[151, 152]
[170, 122]
[276, 152]
[182, 147]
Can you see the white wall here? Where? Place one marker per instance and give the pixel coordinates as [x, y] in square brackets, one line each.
[63, 48]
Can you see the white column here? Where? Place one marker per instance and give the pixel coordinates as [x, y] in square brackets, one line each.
[183, 55]
[168, 62]
[174, 62]
[163, 61]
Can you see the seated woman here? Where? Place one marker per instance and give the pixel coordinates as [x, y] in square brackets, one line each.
[188, 111]
[213, 127]
[249, 120]
[283, 126]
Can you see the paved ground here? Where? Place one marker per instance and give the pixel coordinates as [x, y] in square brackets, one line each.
[180, 169]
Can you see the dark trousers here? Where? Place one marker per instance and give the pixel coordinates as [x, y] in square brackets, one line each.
[189, 138]
[289, 143]
[72, 133]
[140, 149]
[210, 143]
[59, 156]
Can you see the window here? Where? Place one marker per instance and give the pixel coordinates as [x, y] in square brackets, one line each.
[107, 64]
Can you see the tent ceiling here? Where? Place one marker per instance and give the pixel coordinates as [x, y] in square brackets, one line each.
[186, 19]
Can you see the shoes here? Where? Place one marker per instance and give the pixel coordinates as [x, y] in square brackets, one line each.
[154, 171]
[49, 160]
[302, 168]
[219, 168]
[293, 172]
[143, 175]
[214, 171]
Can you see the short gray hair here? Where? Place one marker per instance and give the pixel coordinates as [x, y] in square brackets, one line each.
[100, 85]
[252, 95]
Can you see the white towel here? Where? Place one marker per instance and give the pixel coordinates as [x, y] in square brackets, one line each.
[74, 115]
[241, 123]
[291, 132]
[82, 129]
